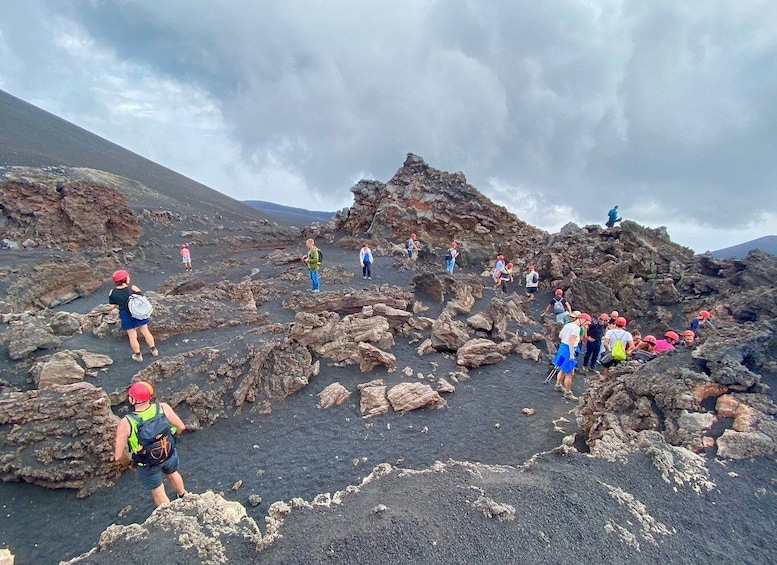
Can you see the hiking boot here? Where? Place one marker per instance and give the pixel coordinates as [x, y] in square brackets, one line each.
[154, 351]
[558, 388]
[137, 357]
[569, 396]
[369, 278]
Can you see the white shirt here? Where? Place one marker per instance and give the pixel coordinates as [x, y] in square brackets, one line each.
[570, 334]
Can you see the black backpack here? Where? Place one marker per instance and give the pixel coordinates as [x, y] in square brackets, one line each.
[320, 255]
[449, 255]
[154, 438]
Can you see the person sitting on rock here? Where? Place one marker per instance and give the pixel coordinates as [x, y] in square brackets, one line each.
[365, 258]
[703, 318]
[688, 338]
[532, 282]
[644, 351]
[119, 297]
[505, 276]
[666, 344]
[623, 337]
[561, 308]
[565, 359]
[148, 433]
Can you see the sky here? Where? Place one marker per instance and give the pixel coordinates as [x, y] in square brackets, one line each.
[557, 110]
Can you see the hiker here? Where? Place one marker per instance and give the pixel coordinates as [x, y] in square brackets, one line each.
[596, 331]
[412, 248]
[614, 315]
[313, 262]
[688, 338]
[565, 358]
[450, 257]
[149, 432]
[187, 257]
[365, 258]
[119, 297]
[644, 351]
[505, 276]
[561, 308]
[636, 337]
[617, 344]
[612, 217]
[666, 344]
[703, 318]
[532, 282]
[496, 274]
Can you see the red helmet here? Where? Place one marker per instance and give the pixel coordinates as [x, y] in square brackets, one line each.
[584, 316]
[689, 333]
[559, 292]
[412, 235]
[705, 314]
[671, 335]
[183, 245]
[120, 275]
[604, 317]
[651, 339]
[509, 265]
[500, 257]
[141, 391]
[531, 266]
[620, 321]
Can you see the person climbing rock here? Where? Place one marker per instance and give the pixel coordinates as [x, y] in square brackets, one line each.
[148, 433]
[119, 297]
[561, 308]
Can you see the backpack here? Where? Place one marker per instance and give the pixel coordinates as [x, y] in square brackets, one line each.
[618, 352]
[558, 306]
[320, 255]
[139, 307]
[449, 255]
[535, 277]
[154, 438]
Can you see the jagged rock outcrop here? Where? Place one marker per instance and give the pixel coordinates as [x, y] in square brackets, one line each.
[412, 396]
[351, 301]
[373, 398]
[448, 334]
[58, 437]
[29, 335]
[439, 207]
[198, 528]
[477, 352]
[334, 394]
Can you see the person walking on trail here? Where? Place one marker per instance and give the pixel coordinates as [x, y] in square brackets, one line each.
[496, 274]
[704, 318]
[505, 276]
[560, 307]
[618, 344]
[119, 297]
[612, 217]
[186, 256]
[450, 257]
[148, 433]
[565, 359]
[532, 282]
[412, 248]
[596, 331]
[313, 262]
[365, 258]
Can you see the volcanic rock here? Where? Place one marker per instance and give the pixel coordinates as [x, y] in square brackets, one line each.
[334, 394]
[448, 334]
[411, 396]
[477, 352]
[351, 301]
[61, 368]
[373, 398]
[372, 357]
[30, 335]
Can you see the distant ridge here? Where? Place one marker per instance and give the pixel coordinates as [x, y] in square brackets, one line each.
[32, 137]
[767, 243]
[288, 215]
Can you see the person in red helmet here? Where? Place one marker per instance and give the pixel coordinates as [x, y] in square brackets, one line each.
[411, 248]
[643, 352]
[496, 274]
[186, 256]
[505, 276]
[560, 306]
[147, 433]
[702, 318]
[596, 331]
[566, 357]
[618, 344]
[688, 338]
[666, 344]
[119, 298]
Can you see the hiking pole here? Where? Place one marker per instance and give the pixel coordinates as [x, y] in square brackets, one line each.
[553, 372]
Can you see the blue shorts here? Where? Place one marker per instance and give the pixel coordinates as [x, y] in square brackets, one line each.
[531, 290]
[409, 253]
[128, 322]
[151, 477]
[563, 360]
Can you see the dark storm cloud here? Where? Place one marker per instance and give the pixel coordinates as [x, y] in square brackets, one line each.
[666, 108]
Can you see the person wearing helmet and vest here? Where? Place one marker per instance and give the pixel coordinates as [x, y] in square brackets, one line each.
[618, 333]
[561, 308]
[666, 344]
[119, 297]
[704, 317]
[152, 461]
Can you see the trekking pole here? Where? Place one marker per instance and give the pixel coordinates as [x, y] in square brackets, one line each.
[553, 372]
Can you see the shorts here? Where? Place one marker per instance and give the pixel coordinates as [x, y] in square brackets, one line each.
[562, 359]
[187, 260]
[128, 322]
[409, 253]
[151, 477]
[531, 290]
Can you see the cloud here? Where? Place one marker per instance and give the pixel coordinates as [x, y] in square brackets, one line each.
[557, 111]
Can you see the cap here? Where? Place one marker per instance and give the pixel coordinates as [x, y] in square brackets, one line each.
[141, 391]
[620, 321]
[651, 339]
[672, 335]
[183, 245]
[120, 275]
[559, 292]
[500, 256]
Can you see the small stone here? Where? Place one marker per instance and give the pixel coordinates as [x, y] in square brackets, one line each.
[254, 500]
[124, 511]
[380, 508]
[529, 411]
[237, 485]
[497, 425]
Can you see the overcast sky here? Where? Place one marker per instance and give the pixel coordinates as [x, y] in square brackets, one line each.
[556, 109]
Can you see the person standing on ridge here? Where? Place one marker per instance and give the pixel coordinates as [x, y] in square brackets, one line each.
[532, 282]
[411, 248]
[313, 262]
[148, 434]
[187, 257]
[612, 217]
[365, 258]
[450, 257]
[119, 297]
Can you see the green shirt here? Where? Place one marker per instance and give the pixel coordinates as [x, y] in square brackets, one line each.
[313, 262]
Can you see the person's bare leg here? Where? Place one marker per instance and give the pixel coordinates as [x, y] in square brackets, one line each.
[133, 339]
[144, 331]
[159, 496]
[568, 381]
[176, 481]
